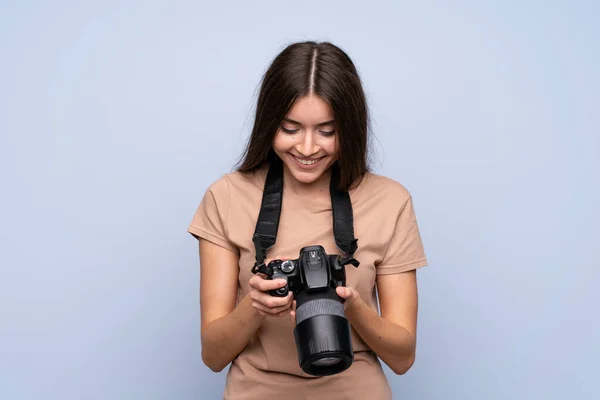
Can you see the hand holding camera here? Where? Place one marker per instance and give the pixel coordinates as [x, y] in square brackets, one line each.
[265, 298]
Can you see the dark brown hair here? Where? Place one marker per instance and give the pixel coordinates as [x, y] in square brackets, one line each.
[306, 68]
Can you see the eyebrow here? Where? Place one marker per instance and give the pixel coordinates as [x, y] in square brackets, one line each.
[291, 121]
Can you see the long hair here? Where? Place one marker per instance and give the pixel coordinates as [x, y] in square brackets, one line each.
[322, 69]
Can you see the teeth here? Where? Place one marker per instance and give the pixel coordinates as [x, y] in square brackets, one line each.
[306, 162]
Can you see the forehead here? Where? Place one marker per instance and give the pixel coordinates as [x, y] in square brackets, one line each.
[311, 110]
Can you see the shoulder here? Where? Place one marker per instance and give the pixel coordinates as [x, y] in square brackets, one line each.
[245, 183]
[237, 188]
[236, 180]
[381, 189]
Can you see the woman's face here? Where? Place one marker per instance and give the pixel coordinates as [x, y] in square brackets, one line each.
[306, 140]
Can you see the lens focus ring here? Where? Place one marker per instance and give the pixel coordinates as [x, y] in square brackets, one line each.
[319, 307]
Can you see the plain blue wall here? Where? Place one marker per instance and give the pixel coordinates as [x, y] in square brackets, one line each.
[115, 117]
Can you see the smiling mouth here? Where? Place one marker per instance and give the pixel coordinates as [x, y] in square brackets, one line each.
[307, 161]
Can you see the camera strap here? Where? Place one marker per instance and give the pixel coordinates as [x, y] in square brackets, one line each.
[267, 224]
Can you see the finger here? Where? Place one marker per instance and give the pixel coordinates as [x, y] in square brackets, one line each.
[293, 317]
[262, 284]
[344, 292]
[274, 301]
[284, 312]
[269, 301]
[271, 310]
[253, 281]
[270, 284]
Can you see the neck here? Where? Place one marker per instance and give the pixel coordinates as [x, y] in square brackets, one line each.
[318, 188]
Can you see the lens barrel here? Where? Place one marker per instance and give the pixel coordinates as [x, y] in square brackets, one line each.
[322, 333]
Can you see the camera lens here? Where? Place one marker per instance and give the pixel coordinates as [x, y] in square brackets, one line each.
[322, 333]
[326, 362]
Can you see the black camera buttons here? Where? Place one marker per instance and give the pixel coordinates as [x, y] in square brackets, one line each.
[282, 291]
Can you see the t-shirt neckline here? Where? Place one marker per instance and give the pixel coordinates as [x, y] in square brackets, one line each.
[261, 176]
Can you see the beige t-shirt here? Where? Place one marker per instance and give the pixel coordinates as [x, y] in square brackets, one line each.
[388, 243]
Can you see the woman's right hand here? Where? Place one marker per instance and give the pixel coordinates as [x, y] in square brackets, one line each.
[262, 301]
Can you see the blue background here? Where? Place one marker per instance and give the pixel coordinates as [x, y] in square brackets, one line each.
[115, 116]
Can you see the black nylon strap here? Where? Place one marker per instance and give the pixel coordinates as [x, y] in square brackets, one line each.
[267, 224]
[343, 217]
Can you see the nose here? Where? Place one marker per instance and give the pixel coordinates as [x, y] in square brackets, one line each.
[307, 146]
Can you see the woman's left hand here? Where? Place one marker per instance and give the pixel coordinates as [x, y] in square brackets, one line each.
[349, 294]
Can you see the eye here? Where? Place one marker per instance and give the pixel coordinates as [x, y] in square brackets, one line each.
[327, 133]
[289, 130]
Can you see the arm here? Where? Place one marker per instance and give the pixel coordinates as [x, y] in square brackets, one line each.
[227, 329]
[392, 336]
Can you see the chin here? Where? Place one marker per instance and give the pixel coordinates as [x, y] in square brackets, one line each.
[306, 178]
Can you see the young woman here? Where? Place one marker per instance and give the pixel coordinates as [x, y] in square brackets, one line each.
[311, 114]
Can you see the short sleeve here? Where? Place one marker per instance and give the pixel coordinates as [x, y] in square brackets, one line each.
[210, 220]
[405, 250]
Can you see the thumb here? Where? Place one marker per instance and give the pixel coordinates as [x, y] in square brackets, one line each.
[343, 292]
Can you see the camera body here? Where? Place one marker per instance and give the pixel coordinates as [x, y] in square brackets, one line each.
[314, 270]
[322, 332]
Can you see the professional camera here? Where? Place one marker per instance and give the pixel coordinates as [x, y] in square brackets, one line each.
[322, 331]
